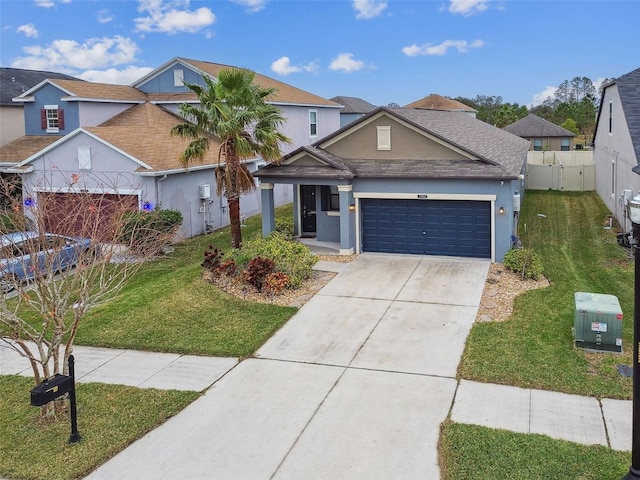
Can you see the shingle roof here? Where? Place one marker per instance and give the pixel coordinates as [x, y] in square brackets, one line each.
[437, 102]
[143, 131]
[534, 126]
[629, 90]
[16, 81]
[354, 105]
[500, 154]
[285, 94]
[100, 91]
[22, 148]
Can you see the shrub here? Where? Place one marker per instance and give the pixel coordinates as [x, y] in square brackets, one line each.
[145, 231]
[212, 258]
[525, 262]
[290, 257]
[275, 283]
[228, 267]
[285, 227]
[257, 270]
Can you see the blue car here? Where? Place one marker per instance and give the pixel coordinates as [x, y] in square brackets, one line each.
[27, 255]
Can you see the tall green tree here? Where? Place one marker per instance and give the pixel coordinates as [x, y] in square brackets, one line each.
[234, 117]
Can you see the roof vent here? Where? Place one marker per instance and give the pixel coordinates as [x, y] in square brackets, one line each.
[13, 79]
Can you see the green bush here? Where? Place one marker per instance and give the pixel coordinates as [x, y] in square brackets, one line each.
[149, 232]
[525, 262]
[285, 226]
[291, 258]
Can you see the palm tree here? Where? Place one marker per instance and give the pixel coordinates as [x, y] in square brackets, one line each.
[234, 116]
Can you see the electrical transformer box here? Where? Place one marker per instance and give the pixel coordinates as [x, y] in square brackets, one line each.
[598, 322]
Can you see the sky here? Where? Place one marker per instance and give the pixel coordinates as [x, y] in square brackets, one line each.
[383, 51]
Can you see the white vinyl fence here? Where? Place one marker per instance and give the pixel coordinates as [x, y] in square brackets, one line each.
[572, 171]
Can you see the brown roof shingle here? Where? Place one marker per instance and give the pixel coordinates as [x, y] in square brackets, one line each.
[437, 102]
[22, 148]
[100, 91]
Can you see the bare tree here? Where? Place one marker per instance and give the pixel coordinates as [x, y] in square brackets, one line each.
[50, 281]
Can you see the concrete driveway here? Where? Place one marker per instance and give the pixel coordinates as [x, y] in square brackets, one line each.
[354, 386]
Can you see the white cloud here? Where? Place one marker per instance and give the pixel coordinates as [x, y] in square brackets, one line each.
[252, 6]
[468, 7]
[282, 66]
[66, 55]
[48, 3]
[366, 9]
[105, 16]
[429, 49]
[112, 75]
[172, 17]
[346, 63]
[29, 30]
[540, 97]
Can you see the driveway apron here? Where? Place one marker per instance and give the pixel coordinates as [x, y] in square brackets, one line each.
[354, 386]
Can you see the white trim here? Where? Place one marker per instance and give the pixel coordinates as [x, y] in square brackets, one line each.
[428, 196]
[345, 188]
[266, 186]
[101, 100]
[94, 190]
[333, 213]
[346, 251]
[384, 137]
[314, 111]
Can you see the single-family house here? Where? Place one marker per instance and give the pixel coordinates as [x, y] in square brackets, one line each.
[402, 180]
[438, 102]
[543, 135]
[616, 144]
[354, 108]
[114, 141]
[14, 82]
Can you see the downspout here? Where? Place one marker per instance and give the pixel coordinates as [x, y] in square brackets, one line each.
[159, 189]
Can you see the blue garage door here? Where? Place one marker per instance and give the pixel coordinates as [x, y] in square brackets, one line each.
[427, 227]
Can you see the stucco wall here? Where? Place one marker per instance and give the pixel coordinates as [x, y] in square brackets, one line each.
[11, 123]
[50, 95]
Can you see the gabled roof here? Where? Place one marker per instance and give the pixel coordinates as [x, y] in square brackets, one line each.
[80, 90]
[492, 153]
[285, 94]
[354, 105]
[437, 102]
[534, 126]
[22, 148]
[16, 81]
[629, 90]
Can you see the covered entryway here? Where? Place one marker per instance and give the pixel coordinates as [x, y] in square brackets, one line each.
[85, 214]
[459, 228]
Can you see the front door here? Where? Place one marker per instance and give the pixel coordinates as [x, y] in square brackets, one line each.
[308, 203]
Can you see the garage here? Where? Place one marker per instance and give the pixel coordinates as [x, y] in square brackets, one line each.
[85, 214]
[459, 228]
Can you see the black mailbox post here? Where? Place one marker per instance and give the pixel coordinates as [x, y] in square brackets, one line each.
[55, 387]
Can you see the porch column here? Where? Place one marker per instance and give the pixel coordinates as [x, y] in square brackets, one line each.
[268, 208]
[347, 219]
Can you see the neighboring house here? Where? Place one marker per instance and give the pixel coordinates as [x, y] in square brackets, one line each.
[616, 142]
[402, 180]
[438, 102]
[354, 108]
[543, 135]
[114, 140]
[14, 82]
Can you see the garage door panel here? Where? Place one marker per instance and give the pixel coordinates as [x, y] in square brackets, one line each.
[428, 227]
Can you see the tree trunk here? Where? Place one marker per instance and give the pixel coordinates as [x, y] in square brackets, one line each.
[234, 219]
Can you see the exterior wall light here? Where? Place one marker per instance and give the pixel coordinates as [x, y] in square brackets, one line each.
[501, 210]
[352, 208]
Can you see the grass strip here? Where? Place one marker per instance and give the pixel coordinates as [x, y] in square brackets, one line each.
[110, 417]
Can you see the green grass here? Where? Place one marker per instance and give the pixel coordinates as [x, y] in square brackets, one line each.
[479, 453]
[110, 417]
[534, 349]
[167, 306]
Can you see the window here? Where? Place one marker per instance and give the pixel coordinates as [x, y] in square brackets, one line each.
[52, 118]
[384, 138]
[565, 145]
[330, 198]
[610, 116]
[178, 78]
[537, 144]
[613, 178]
[84, 158]
[313, 123]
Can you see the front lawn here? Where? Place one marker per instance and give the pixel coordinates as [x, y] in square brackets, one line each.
[534, 349]
[169, 307]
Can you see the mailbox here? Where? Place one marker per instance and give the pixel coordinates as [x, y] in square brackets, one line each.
[51, 389]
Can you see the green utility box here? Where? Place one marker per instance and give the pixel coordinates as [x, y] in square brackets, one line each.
[598, 322]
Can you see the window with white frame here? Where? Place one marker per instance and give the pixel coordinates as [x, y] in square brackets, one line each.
[384, 137]
[84, 158]
[610, 116]
[613, 178]
[52, 118]
[178, 78]
[313, 123]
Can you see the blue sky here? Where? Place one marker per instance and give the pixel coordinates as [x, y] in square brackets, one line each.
[383, 51]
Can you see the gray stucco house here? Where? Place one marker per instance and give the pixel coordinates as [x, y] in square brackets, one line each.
[616, 151]
[402, 180]
[113, 142]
